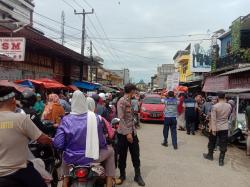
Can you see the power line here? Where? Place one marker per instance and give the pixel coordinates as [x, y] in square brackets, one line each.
[68, 4]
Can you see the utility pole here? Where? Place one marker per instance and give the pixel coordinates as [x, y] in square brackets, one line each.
[62, 27]
[92, 60]
[83, 13]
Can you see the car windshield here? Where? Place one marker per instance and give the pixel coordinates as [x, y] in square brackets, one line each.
[152, 100]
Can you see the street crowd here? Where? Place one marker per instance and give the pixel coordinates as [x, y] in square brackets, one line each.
[83, 130]
[214, 115]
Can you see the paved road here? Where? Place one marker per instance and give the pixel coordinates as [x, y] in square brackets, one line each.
[166, 167]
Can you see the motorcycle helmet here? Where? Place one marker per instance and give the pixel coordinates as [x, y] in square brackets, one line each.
[102, 96]
[28, 98]
[115, 121]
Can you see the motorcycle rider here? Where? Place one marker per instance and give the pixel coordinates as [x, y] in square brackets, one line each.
[80, 135]
[28, 100]
[16, 129]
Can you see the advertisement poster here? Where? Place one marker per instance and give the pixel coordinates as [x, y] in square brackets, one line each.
[13, 47]
[173, 81]
[200, 57]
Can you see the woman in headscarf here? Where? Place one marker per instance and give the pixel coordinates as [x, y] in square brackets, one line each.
[47, 109]
[80, 135]
[53, 111]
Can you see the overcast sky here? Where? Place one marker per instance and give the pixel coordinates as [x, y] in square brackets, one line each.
[130, 24]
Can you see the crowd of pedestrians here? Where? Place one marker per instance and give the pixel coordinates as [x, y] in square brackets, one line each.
[188, 112]
[83, 132]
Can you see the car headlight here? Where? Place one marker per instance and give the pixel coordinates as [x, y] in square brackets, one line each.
[143, 109]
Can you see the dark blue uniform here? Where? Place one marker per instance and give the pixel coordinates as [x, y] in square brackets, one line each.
[190, 114]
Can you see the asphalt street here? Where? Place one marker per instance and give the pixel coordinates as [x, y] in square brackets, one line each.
[166, 167]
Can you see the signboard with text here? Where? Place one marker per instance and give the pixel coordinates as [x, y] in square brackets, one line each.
[173, 81]
[13, 47]
[200, 58]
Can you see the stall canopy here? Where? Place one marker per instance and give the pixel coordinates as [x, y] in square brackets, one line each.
[86, 85]
[72, 88]
[46, 83]
[18, 87]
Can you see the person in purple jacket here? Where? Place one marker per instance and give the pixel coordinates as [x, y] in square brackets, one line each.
[80, 136]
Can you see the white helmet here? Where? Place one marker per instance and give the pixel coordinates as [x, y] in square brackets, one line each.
[102, 96]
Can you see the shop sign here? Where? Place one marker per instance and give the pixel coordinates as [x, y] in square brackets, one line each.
[13, 47]
[173, 81]
[215, 84]
[239, 82]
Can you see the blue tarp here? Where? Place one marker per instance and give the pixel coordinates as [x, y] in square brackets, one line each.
[27, 83]
[86, 85]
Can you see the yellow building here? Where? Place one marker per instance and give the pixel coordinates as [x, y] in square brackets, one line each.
[183, 62]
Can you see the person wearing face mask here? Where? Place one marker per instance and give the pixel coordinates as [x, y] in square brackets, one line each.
[127, 136]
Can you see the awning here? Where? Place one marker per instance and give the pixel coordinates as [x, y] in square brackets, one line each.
[18, 88]
[237, 90]
[107, 89]
[216, 84]
[27, 83]
[86, 85]
[46, 83]
[240, 70]
[72, 88]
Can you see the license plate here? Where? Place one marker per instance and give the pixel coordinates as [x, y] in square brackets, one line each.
[155, 115]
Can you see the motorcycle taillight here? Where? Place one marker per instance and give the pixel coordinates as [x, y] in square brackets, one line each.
[81, 173]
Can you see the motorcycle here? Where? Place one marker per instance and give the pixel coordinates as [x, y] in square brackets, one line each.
[52, 158]
[87, 176]
[92, 175]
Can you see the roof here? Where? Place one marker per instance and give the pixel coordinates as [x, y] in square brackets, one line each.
[236, 71]
[35, 38]
[224, 35]
[237, 90]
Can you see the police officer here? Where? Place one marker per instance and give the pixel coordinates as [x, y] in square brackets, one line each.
[16, 129]
[127, 137]
[219, 128]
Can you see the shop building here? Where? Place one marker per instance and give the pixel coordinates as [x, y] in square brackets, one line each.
[43, 58]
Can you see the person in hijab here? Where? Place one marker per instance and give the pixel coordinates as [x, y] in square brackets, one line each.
[53, 111]
[47, 109]
[39, 105]
[80, 135]
[57, 110]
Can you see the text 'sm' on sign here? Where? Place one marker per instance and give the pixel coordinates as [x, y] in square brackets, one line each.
[13, 47]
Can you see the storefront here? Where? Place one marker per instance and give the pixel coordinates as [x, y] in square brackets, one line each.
[44, 58]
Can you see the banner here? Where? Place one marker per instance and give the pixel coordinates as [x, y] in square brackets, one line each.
[13, 47]
[200, 58]
[173, 81]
